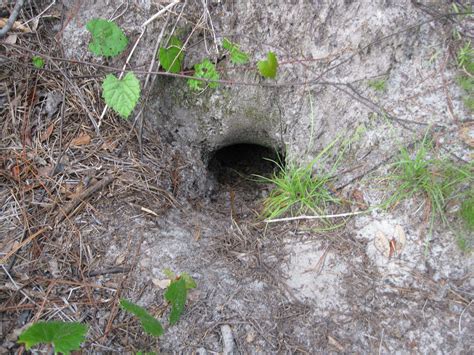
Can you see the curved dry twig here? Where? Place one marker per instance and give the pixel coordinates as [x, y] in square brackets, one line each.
[12, 18]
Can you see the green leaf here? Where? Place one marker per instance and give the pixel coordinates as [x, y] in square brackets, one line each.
[149, 323]
[64, 336]
[176, 295]
[172, 56]
[38, 62]
[236, 55]
[205, 70]
[107, 38]
[121, 95]
[268, 68]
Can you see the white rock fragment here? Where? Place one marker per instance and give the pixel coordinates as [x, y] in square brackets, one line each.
[227, 340]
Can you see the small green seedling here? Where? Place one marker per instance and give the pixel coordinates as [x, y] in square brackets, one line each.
[121, 95]
[108, 39]
[37, 61]
[268, 68]
[236, 55]
[176, 293]
[379, 85]
[172, 56]
[465, 58]
[204, 70]
[149, 323]
[63, 336]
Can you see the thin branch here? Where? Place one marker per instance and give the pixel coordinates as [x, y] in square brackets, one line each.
[317, 217]
[12, 18]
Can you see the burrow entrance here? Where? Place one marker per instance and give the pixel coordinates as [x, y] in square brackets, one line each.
[239, 163]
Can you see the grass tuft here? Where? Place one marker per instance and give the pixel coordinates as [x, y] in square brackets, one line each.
[298, 190]
[379, 85]
[467, 212]
[436, 179]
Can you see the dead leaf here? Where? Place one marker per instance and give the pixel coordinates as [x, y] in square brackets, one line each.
[335, 343]
[83, 139]
[400, 237]
[11, 39]
[17, 26]
[109, 145]
[44, 171]
[46, 134]
[382, 244]
[15, 172]
[467, 134]
[162, 284]
[358, 197]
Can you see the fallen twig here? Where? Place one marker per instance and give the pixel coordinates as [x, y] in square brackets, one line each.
[81, 197]
[286, 219]
[12, 18]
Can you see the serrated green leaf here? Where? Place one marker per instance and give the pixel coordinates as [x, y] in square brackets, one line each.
[121, 95]
[38, 62]
[205, 70]
[107, 38]
[149, 323]
[189, 281]
[236, 55]
[176, 295]
[64, 336]
[268, 68]
[172, 56]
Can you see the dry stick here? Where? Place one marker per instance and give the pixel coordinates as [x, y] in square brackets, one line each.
[12, 18]
[81, 197]
[23, 243]
[317, 217]
[161, 12]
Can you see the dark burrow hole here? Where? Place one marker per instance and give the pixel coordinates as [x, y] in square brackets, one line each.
[237, 163]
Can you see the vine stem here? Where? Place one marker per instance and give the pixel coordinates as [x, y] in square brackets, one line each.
[143, 27]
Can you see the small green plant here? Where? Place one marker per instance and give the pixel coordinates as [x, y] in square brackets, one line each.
[268, 68]
[121, 95]
[37, 61]
[418, 174]
[379, 85]
[176, 293]
[149, 323]
[298, 190]
[465, 58]
[465, 239]
[467, 84]
[63, 336]
[204, 70]
[467, 212]
[108, 39]
[236, 55]
[172, 56]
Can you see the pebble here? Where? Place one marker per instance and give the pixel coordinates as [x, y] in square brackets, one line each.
[227, 340]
